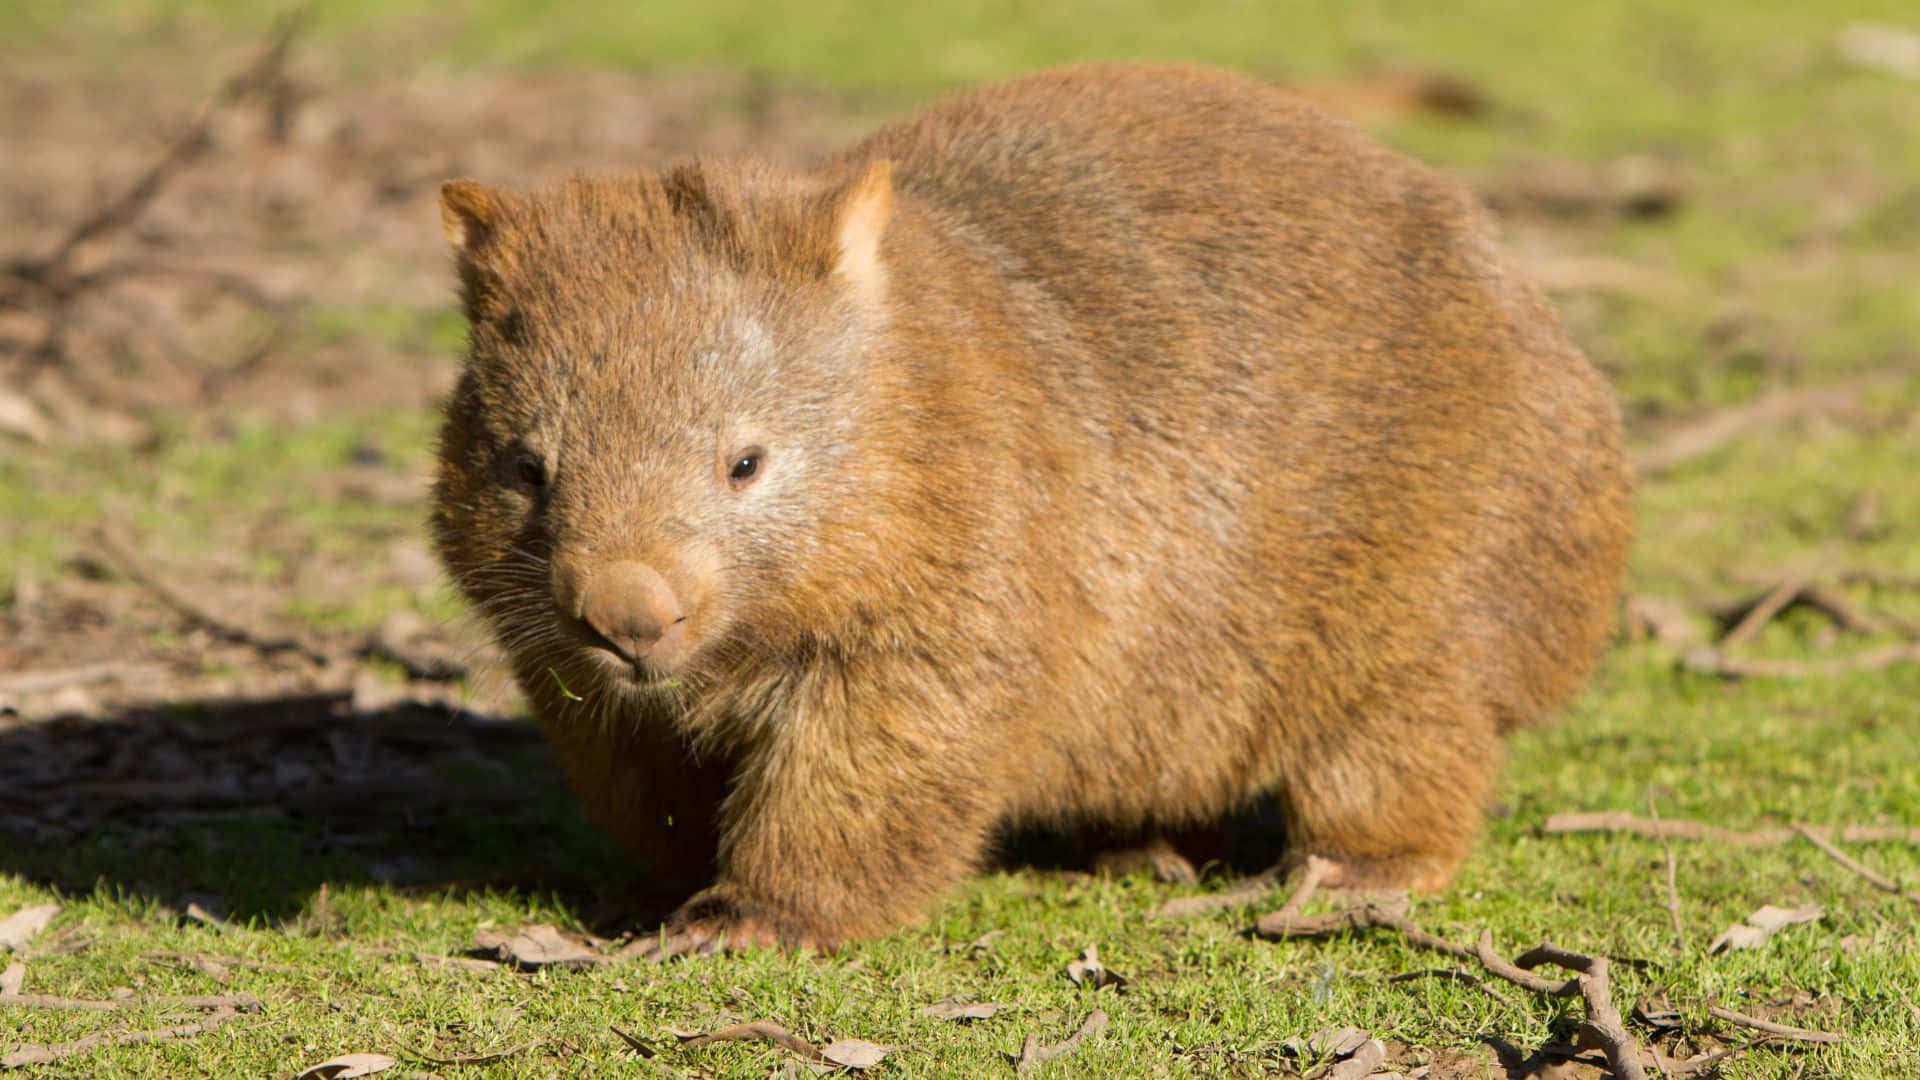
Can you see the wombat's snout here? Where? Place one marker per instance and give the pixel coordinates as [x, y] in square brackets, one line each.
[635, 610]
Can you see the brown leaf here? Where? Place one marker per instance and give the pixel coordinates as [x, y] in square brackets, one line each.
[459, 963]
[1761, 925]
[1089, 971]
[20, 927]
[1365, 1058]
[479, 1059]
[346, 1066]
[954, 1010]
[536, 947]
[634, 1042]
[1336, 1042]
[855, 1053]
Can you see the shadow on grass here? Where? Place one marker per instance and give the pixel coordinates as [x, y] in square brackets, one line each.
[248, 808]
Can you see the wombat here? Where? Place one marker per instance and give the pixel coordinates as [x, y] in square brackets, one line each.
[1114, 446]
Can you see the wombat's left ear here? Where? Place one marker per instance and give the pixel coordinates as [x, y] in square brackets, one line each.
[861, 210]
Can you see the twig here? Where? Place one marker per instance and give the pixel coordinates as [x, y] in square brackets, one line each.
[1716, 662]
[1032, 1053]
[263, 72]
[1453, 975]
[482, 1059]
[1761, 612]
[1681, 829]
[1603, 1024]
[1517, 973]
[37, 682]
[45, 1053]
[764, 1030]
[1673, 876]
[1240, 893]
[266, 641]
[1849, 861]
[1784, 1031]
[1703, 436]
[240, 1002]
[1879, 579]
[1695, 1064]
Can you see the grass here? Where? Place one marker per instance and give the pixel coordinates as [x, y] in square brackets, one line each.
[1795, 254]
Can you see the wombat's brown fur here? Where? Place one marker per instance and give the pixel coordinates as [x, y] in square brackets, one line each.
[1112, 446]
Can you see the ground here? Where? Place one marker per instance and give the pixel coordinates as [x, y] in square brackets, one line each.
[251, 744]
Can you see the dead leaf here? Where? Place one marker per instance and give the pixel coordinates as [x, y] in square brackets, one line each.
[1365, 1058]
[958, 1011]
[12, 979]
[346, 1066]
[1089, 971]
[1337, 1042]
[854, 1053]
[20, 927]
[1761, 925]
[983, 943]
[634, 1042]
[536, 947]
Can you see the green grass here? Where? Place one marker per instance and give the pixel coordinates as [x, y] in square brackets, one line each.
[1800, 231]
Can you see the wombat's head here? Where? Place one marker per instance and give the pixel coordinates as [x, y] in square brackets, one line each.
[652, 464]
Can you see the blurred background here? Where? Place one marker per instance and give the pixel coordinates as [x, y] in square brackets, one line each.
[226, 315]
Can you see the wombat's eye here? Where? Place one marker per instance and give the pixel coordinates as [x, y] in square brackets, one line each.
[745, 468]
[528, 470]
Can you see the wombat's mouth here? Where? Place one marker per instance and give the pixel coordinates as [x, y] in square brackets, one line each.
[657, 668]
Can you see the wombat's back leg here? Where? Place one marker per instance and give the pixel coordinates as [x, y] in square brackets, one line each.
[1395, 799]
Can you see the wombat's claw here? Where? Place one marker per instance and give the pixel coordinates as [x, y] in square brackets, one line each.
[711, 933]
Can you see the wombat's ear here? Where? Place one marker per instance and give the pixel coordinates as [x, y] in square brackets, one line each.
[861, 210]
[473, 215]
[471, 212]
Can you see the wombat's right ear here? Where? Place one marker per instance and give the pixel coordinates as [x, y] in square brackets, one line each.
[471, 212]
[473, 215]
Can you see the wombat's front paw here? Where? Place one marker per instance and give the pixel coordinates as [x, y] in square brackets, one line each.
[714, 922]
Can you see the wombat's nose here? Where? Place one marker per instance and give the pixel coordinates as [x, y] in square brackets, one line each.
[631, 606]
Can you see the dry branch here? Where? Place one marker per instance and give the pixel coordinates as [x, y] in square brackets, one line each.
[1784, 1031]
[1603, 1025]
[45, 1053]
[119, 555]
[1715, 662]
[1758, 614]
[1621, 822]
[1673, 876]
[47, 679]
[52, 286]
[215, 1002]
[1849, 861]
[1452, 975]
[1239, 894]
[1709, 433]
[1032, 1053]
